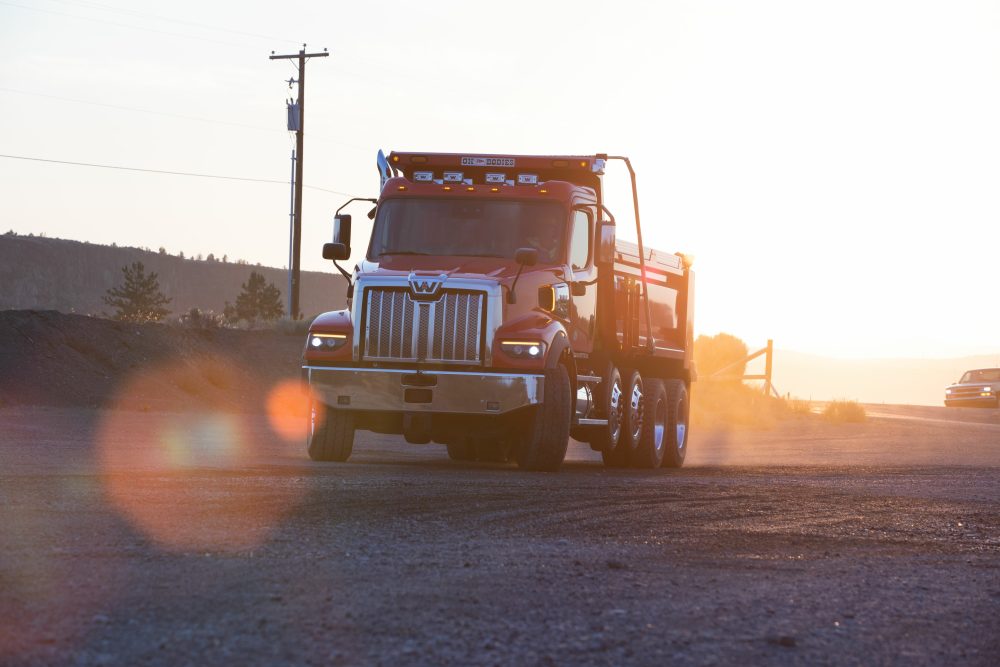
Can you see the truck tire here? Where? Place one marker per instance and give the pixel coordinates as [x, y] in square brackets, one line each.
[631, 400]
[545, 437]
[652, 434]
[611, 406]
[333, 437]
[463, 450]
[678, 416]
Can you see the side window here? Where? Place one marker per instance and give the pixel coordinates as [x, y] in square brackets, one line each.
[579, 250]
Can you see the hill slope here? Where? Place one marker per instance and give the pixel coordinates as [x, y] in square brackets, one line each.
[39, 273]
[910, 381]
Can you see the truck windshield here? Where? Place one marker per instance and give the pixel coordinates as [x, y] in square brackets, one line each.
[983, 375]
[468, 227]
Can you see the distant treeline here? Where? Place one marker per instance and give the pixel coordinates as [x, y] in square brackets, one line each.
[39, 273]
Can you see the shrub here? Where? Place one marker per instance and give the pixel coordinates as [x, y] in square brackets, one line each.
[714, 353]
[842, 411]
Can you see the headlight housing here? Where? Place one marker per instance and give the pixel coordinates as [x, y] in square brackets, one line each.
[325, 342]
[523, 349]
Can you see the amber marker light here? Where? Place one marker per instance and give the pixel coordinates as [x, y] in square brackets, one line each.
[395, 158]
[401, 188]
[543, 191]
[470, 189]
[447, 188]
[494, 189]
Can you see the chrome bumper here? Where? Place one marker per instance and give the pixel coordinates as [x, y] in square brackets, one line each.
[394, 390]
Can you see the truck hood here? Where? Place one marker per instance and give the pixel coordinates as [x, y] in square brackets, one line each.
[500, 269]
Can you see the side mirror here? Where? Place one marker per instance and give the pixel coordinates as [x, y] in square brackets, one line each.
[342, 231]
[335, 251]
[606, 243]
[371, 213]
[526, 256]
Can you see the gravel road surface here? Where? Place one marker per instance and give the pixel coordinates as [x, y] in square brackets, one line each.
[155, 538]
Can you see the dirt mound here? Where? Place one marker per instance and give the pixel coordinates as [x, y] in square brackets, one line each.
[52, 358]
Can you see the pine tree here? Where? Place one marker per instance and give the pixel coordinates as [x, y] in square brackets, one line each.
[140, 298]
[258, 300]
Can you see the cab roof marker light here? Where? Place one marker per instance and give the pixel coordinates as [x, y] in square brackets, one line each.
[423, 176]
[418, 159]
[494, 189]
[395, 158]
[496, 178]
[527, 179]
[470, 189]
[401, 188]
[447, 188]
[543, 191]
[453, 176]
[560, 163]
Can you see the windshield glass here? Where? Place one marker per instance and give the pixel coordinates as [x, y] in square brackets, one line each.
[984, 375]
[468, 227]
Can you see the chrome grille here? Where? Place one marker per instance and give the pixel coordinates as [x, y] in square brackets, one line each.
[398, 328]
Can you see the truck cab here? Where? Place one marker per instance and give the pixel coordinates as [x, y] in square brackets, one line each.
[494, 312]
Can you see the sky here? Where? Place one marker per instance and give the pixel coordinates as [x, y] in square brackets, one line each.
[833, 167]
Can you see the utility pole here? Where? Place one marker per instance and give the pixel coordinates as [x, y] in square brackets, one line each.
[301, 56]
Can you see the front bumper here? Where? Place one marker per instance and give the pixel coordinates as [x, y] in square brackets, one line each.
[394, 390]
[971, 400]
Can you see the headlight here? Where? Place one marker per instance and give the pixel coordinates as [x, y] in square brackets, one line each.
[327, 342]
[987, 389]
[523, 349]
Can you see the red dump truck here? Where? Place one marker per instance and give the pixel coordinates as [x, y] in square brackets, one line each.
[496, 313]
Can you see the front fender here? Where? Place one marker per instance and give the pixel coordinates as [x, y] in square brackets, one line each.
[532, 326]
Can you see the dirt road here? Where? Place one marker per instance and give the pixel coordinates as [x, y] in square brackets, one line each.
[148, 538]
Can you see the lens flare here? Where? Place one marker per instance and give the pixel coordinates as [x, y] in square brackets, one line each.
[184, 477]
[288, 409]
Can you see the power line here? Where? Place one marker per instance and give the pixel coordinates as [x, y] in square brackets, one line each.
[171, 173]
[130, 12]
[120, 25]
[149, 111]
[168, 114]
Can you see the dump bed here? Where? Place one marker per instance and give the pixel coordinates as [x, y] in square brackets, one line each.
[670, 283]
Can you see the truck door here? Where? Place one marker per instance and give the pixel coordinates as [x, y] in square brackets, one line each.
[582, 277]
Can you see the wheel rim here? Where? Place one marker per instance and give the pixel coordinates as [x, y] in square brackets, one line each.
[635, 410]
[659, 425]
[681, 425]
[615, 412]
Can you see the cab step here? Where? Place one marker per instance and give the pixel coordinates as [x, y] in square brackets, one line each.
[588, 379]
[592, 422]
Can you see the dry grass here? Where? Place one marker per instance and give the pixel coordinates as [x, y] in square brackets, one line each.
[799, 406]
[718, 404]
[839, 412]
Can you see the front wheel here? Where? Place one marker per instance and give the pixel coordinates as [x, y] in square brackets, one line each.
[678, 415]
[545, 436]
[333, 434]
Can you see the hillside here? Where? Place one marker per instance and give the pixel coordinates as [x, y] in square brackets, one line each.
[909, 381]
[39, 273]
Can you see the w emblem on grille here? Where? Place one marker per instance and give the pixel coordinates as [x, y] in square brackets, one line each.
[426, 287]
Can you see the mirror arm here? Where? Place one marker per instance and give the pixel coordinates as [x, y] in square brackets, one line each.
[343, 272]
[511, 295]
[344, 205]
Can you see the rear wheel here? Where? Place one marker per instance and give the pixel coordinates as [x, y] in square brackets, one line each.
[545, 436]
[333, 434]
[678, 413]
[653, 428]
[631, 423]
[462, 450]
